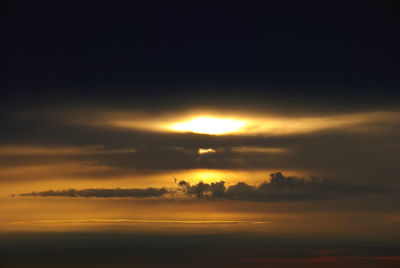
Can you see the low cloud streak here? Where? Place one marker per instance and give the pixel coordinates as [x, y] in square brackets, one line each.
[278, 188]
[133, 192]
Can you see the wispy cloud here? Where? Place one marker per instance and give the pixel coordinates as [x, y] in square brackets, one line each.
[118, 192]
[15, 150]
[149, 221]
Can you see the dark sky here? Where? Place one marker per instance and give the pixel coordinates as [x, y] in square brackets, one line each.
[142, 49]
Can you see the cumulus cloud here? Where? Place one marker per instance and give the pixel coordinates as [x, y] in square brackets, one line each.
[204, 190]
[279, 187]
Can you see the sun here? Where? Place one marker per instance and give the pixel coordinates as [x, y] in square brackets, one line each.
[209, 125]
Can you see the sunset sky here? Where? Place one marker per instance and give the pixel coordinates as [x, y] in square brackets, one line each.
[160, 134]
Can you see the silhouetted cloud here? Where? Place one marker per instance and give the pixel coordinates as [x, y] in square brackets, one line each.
[203, 190]
[133, 192]
[279, 187]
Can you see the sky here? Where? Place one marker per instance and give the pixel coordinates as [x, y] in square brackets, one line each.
[170, 134]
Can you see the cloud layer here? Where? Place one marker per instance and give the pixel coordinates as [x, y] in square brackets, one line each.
[134, 192]
[278, 188]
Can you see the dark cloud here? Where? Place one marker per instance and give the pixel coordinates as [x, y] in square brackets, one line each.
[279, 187]
[140, 193]
[358, 157]
[204, 190]
[162, 146]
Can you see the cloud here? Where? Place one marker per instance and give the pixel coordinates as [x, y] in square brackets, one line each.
[243, 123]
[150, 221]
[278, 188]
[47, 137]
[118, 192]
[53, 151]
[204, 190]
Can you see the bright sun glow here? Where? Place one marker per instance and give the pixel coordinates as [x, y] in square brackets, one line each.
[209, 125]
[206, 150]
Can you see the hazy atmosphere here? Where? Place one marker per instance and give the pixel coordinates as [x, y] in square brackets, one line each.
[152, 134]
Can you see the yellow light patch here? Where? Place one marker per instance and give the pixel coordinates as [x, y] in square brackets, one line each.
[206, 150]
[209, 125]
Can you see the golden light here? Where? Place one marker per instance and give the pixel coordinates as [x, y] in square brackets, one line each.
[209, 125]
[206, 150]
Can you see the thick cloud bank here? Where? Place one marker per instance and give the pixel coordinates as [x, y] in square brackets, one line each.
[279, 187]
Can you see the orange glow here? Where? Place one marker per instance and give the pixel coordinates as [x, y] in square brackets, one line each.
[209, 125]
[206, 150]
[265, 150]
[82, 175]
[244, 123]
